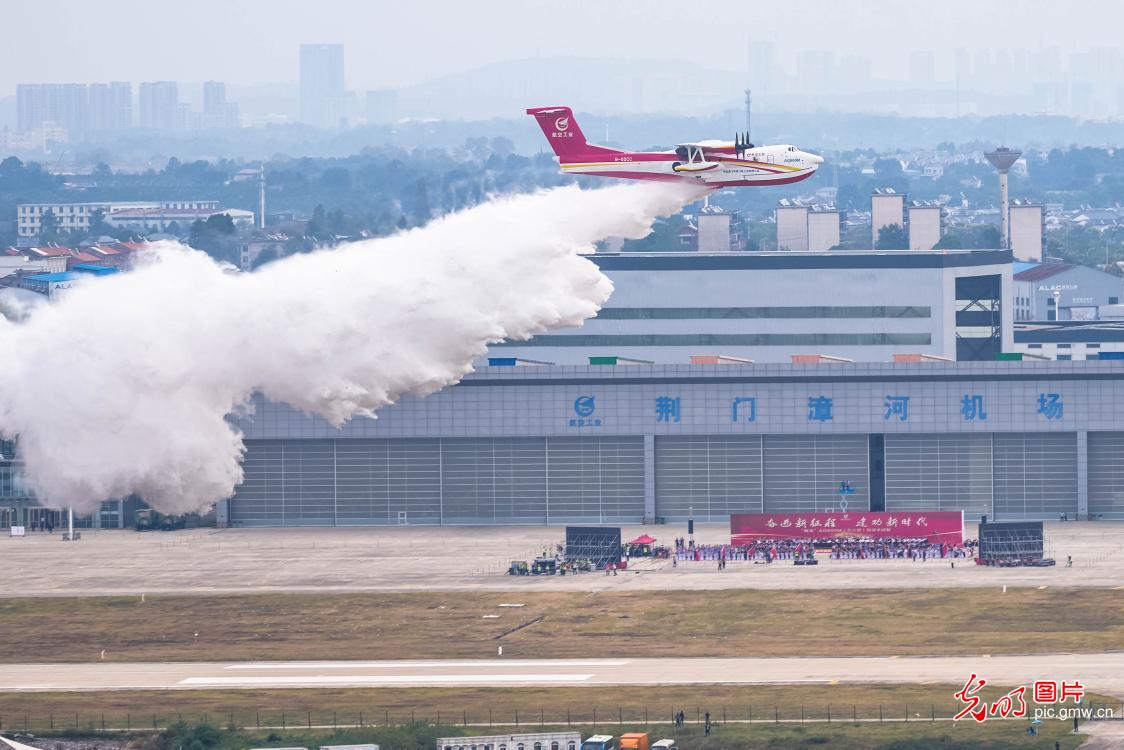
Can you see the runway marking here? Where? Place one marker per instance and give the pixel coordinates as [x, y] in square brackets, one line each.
[484, 664]
[404, 679]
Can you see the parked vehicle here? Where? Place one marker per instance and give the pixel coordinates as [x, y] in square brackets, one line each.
[600, 742]
[545, 566]
[665, 745]
[528, 741]
[634, 741]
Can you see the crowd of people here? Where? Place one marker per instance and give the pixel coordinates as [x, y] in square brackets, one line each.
[918, 549]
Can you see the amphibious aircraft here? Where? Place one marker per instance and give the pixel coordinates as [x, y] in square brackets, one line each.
[715, 164]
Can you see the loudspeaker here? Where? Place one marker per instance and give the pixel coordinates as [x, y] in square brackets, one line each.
[983, 519]
[691, 526]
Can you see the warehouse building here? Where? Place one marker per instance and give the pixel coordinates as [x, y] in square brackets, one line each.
[1063, 291]
[625, 444]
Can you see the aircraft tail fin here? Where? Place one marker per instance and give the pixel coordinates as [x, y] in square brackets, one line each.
[563, 132]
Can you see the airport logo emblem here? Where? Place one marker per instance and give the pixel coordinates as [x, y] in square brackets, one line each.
[562, 124]
[584, 406]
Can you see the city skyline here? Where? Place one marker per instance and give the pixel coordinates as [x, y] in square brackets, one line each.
[877, 31]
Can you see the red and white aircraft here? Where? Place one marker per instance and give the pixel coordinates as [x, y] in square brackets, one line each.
[714, 164]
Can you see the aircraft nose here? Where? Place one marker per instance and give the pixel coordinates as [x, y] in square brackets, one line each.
[815, 159]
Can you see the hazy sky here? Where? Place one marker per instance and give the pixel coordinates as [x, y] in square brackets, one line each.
[395, 43]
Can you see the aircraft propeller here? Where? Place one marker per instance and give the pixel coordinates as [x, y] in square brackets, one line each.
[742, 144]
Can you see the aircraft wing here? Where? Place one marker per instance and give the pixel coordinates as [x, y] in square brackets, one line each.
[710, 144]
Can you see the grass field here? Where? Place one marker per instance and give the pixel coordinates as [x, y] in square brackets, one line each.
[678, 623]
[609, 709]
[996, 736]
[999, 736]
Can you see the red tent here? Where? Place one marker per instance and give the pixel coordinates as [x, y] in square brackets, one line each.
[644, 539]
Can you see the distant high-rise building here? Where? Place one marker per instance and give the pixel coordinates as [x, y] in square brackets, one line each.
[111, 106]
[983, 69]
[762, 64]
[217, 111]
[322, 84]
[61, 104]
[159, 105]
[962, 66]
[214, 97]
[816, 71]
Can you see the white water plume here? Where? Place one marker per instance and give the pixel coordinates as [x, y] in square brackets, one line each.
[125, 384]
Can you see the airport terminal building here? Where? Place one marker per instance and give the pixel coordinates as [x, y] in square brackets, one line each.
[626, 444]
[713, 384]
[612, 423]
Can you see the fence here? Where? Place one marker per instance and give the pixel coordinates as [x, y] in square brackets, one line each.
[605, 717]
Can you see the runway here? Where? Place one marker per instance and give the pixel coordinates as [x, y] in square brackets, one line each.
[1099, 672]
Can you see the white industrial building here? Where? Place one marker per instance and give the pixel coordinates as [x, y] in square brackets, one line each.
[1027, 229]
[76, 216]
[719, 231]
[887, 208]
[924, 225]
[792, 225]
[825, 228]
[802, 227]
[160, 219]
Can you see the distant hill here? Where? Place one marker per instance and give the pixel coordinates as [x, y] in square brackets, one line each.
[507, 88]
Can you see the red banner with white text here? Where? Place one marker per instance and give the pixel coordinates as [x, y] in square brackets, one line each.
[941, 526]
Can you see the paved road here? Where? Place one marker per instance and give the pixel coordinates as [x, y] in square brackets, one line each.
[416, 558]
[1101, 672]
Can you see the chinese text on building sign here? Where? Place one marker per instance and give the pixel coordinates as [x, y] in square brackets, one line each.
[946, 526]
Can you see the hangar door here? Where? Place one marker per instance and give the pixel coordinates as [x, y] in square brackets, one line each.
[710, 476]
[803, 472]
[1035, 475]
[1106, 475]
[939, 473]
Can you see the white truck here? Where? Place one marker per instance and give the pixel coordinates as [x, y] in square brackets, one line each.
[529, 741]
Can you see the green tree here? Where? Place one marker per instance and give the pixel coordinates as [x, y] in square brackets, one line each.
[217, 237]
[887, 168]
[11, 169]
[989, 237]
[220, 224]
[950, 241]
[317, 224]
[892, 237]
[49, 227]
[98, 227]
